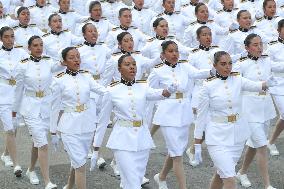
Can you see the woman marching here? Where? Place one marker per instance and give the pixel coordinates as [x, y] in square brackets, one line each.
[72, 113]
[226, 130]
[130, 139]
[33, 98]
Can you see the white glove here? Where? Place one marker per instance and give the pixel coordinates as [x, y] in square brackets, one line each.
[197, 155]
[15, 122]
[172, 88]
[55, 142]
[234, 26]
[271, 82]
[94, 160]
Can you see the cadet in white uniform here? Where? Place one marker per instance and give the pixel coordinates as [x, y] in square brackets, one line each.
[254, 7]
[227, 129]
[71, 92]
[274, 51]
[130, 139]
[40, 14]
[5, 19]
[25, 30]
[227, 15]
[125, 18]
[257, 107]
[201, 58]
[174, 115]
[10, 57]
[102, 24]
[33, 98]
[58, 39]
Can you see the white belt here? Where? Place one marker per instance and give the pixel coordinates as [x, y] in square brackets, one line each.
[226, 119]
[127, 123]
[262, 93]
[80, 108]
[278, 74]
[178, 95]
[37, 94]
[10, 81]
[97, 77]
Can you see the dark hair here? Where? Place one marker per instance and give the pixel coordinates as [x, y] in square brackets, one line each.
[4, 29]
[92, 4]
[249, 38]
[164, 1]
[65, 51]
[199, 30]
[240, 12]
[121, 59]
[51, 16]
[280, 24]
[157, 22]
[85, 27]
[218, 54]
[198, 6]
[121, 36]
[122, 10]
[265, 2]
[21, 9]
[32, 38]
[165, 45]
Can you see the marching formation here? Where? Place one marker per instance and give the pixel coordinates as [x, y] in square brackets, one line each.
[70, 69]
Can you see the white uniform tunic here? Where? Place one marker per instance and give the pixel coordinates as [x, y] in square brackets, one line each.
[33, 95]
[258, 107]
[153, 47]
[6, 20]
[225, 18]
[268, 26]
[70, 19]
[9, 59]
[39, 15]
[138, 37]
[71, 93]
[274, 50]
[174, 115]
[130, 139]
[54, 43]
[221, 102]
[23, 34]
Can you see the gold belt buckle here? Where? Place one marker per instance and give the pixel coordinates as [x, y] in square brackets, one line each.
[136, 123]
[232, 118]
[80, 108]
[97, 77]
[40, 94]
[12, 81]
[179, 95]
[262, 93]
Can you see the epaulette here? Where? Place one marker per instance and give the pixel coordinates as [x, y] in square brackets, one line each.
[252, 27]
[134, 27]
[232, 31]
[32, 25]
[171, 37]
[177, 12]
[71, 10]
[243, 58]
[31, 6]
[87, 20]
[242, 1]
[186, 5]
[193, 23]
[46, 57]
[264, 56]
[236, 8]
[60, 74]
[219, 11]
[84, 71]
[15, 27]
[100, 43]
[211, 78]
[25, 60]
[136, 52]
[140, 81]
[183, 61]
[47, 34]
[159, 65]
[18, 46]
[66, 30]
[116, 28]
[5, 15]
[151, 39]
[195, 50]
[234, 73]
[161, 14]
[259, 19]
[80, 45]
[214, 46]
[282, 6]
[116, 53]
[272, 42]
[210, 21]
[114, 83]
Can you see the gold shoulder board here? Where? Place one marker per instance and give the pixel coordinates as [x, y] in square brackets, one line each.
[272, 42]
[243, 58]
[195, 50]
[171, 37]
[47, 34]
[182, 61]
[252, 27]
[193, 23]
[114, 83]
[186, 5]
[87, 20]
[219, 11]
[80, 45]
[46, 57]
[161, 14]
[159, 65]
[15, 27]
[136, 52]
[114, 29]
[236, 8]
[214, 46]
[177, 12]
[209, 21]
[83, 71]
[232, 31]
[234, 73]
[66, 30]
[100, 43]
[25, 60]
[32, 25]
[211, 78]
[60, 74]
[141, 81]
[264, 56]
[259, 19]
[104, 18]
[116, 53]
[151, 39]
[31, 6]
[18, 46]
